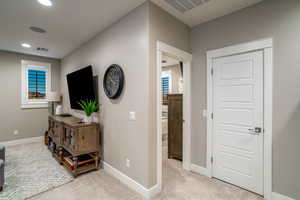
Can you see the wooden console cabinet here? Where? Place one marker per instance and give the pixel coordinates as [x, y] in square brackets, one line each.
[74, 144]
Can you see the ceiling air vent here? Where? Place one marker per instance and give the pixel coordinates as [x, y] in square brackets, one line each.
[42, 49]
[185, 5]
[37, 29]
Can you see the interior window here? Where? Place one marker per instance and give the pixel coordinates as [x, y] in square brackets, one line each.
[36, 83]
[165, 85]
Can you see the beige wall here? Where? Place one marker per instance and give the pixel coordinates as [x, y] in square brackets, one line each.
[131, 42]
[271, 18]
[127, 43]
[29, 122]
[124, 43]
[165, 28]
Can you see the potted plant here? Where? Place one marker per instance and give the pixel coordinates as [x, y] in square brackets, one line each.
[89, 107]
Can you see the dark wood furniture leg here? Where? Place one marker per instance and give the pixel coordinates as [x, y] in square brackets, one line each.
[97, 160]
[60, 153]
[75, 159]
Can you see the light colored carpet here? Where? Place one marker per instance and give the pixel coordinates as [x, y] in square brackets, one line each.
[179, 184]
[97, 185]
[29, 170]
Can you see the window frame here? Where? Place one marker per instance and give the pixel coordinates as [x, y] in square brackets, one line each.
[33, 65]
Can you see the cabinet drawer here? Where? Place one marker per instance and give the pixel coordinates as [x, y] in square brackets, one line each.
[88, 139]
[69, 139]
[55, 132]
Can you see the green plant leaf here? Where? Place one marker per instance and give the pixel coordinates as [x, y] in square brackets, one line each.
[89, 106]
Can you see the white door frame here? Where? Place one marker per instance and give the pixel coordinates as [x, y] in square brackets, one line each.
[186, 58]
[266, 46]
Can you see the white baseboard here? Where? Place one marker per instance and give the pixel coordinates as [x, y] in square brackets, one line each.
[186, 166]
[146, 193]
[22, 141]
[205, 172]
[277, 196]
[200, 170]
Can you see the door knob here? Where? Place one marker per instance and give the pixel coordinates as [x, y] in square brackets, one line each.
[255, 130]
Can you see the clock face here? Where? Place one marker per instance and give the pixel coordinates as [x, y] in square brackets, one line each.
[113, 81]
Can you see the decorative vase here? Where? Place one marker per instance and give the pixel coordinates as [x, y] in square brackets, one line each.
[88, 119]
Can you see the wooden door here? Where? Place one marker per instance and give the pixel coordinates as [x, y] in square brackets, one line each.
[175, 129]
[238, 120]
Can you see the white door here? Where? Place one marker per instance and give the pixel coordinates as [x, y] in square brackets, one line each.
[238, 120]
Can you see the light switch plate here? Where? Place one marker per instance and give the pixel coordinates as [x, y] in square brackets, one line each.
[132, 116]
[204, 113]
[127, 162]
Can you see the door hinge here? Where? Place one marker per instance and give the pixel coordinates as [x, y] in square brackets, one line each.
[212, 115]
[211, 159]
[212, 71]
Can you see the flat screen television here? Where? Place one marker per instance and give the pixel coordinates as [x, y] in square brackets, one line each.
[81, 86]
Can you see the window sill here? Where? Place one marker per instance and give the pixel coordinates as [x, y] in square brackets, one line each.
[33, 106]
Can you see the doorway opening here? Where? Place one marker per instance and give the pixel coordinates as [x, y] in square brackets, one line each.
[173, 110]
[172, 117]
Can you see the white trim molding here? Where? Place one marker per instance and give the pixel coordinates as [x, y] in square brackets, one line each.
[200, 170]
[186, 58]
[174, 52]
[244, 47]
[265, 45]
[277, 196]
[132, 184]
[22, 141]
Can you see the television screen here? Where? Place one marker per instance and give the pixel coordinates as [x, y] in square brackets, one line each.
[81, 86]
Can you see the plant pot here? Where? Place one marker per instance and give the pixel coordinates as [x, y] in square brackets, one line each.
[88, 119]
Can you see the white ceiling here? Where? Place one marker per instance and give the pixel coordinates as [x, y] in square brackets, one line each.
[207, 11]
[69, 23]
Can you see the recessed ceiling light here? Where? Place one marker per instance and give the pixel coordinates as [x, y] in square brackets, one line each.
[45, 2]
[26, 45]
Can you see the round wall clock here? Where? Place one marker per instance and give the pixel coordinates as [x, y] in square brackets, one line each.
[113, 81]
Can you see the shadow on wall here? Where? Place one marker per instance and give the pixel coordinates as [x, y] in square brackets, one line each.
[285, 144]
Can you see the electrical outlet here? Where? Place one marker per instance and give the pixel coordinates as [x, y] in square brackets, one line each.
[127, 162]
[16, 132]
